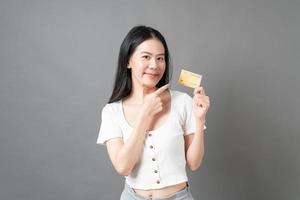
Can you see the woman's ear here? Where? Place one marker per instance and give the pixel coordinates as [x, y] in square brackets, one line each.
[128, 64]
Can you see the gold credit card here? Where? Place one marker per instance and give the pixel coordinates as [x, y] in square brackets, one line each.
[189, 79]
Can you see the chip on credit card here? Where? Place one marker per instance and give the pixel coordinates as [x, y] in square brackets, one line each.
[189, 79]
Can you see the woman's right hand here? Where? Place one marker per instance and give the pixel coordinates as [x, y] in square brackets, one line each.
[152, 103]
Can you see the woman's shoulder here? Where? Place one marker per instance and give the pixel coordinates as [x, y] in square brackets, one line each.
[113, 107]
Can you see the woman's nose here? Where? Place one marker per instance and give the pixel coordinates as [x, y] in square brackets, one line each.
[153, 64]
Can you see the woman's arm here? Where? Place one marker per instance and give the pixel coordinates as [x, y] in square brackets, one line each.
[125, 155]
[194, 147]
[194, 143]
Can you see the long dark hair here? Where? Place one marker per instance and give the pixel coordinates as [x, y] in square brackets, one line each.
[123, 82]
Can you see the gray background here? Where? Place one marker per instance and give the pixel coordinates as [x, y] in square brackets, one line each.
[58, 60]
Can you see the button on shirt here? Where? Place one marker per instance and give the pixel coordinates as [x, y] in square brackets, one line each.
[162, 161]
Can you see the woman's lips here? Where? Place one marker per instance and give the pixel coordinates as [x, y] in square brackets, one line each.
[151, 75]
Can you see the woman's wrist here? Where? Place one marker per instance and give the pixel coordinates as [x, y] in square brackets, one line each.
[144, 121]
[200, 123]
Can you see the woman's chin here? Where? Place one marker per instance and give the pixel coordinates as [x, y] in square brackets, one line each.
[149, 84]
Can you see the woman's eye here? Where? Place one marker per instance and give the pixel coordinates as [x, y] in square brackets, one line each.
[146, 57]
[161, 58]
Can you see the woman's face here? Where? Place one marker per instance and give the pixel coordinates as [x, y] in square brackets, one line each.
[147, 63]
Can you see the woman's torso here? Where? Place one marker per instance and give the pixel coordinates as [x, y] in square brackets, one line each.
[130, 111]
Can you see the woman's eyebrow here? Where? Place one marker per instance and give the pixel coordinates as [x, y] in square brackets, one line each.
[160, 54]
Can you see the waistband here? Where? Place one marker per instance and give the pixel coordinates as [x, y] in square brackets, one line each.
[174, 196]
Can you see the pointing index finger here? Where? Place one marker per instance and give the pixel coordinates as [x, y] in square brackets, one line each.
[161, 89]
[199, 90]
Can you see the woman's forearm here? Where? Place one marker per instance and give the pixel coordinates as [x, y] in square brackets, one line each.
[130, 152]
[195, 151]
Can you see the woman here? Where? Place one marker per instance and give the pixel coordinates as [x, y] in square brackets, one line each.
[151, 132]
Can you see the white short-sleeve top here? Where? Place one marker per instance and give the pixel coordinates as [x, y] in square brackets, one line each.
[162, 162]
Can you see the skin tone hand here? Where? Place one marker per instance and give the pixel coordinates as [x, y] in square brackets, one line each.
[200, 103]
[152, 103]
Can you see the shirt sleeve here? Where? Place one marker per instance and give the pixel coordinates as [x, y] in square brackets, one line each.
[109, 128]
[189, 121]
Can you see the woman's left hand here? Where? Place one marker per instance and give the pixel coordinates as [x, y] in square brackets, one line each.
[200, 103]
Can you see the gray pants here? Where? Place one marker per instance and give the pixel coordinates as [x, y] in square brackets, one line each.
[129, 194]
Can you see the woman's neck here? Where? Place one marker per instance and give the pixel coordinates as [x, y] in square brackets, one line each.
[138, 93]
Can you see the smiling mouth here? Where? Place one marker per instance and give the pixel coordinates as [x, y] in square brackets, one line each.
[150, 74]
